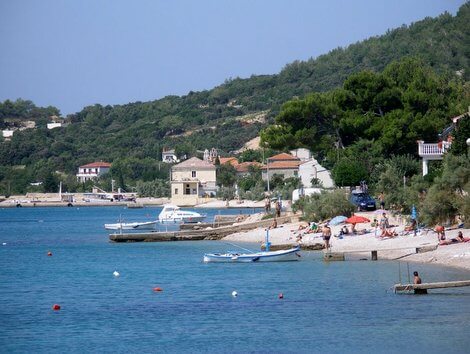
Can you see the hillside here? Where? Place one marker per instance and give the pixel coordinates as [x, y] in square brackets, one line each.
[225, 117]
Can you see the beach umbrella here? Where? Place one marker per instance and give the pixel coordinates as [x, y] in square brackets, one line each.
[357, 219]
[338, 220]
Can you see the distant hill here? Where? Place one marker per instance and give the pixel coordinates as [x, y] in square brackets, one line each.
[233, 113]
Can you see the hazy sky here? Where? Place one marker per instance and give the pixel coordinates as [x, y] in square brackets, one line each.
[70, 54]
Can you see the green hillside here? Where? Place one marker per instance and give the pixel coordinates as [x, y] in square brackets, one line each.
[133, 135]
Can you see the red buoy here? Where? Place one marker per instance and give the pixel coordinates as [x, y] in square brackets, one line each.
[157, 289]
[56, 307]
[281, 296]
[49, 253]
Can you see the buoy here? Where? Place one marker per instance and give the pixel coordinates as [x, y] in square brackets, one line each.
[49, 253]
[157, 289]
[281, 296]
[56, 307]
[234, 293]
[4, 243]
[116, 273]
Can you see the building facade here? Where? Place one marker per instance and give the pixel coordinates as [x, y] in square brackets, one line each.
[191, 181]
[92, 171]
[312, 169]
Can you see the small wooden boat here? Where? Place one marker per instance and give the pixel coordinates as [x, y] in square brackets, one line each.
[263, 256]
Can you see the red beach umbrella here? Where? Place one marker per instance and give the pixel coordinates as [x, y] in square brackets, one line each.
[357, 219]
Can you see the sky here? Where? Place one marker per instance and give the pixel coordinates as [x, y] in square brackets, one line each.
[70, 54]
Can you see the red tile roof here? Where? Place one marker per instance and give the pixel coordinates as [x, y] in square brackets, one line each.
[283, 165]
[283, 157]
[97, 164]
[243, 167]
[231, 160]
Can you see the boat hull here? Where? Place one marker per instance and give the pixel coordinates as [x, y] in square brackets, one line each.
[150, 225]
[274, 256]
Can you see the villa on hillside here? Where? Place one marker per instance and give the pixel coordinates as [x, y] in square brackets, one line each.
[92, 171]
[169, 156]
[435, 151]
[192, 180]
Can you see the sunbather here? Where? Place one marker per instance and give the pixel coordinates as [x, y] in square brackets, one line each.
[388, 233]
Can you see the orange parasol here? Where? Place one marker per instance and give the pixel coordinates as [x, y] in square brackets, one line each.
[357, 219]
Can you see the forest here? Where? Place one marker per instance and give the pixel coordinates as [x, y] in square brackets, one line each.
[350, 86]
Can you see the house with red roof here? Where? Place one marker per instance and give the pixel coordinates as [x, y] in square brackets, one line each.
[92, 170]
[282, 164]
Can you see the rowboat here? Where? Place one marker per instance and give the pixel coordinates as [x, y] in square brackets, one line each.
[263, 256]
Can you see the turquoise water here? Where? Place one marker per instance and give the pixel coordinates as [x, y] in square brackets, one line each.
[336, 307]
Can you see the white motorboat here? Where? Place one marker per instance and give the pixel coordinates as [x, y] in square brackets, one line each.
[265, 256]
[149, 225]
[173, 214]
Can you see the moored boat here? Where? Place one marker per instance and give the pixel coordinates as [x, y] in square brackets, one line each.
[149, 225]
[173, 214]
[264, 256]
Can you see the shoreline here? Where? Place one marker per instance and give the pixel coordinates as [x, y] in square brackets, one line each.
[357, 247]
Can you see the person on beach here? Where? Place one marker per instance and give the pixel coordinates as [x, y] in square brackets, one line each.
[384, 222]
[274, 224]
[441, 235]
[326, 234]
[267, 205]
[417, 280]
[458, 239]
[381, 199]
[278, 209]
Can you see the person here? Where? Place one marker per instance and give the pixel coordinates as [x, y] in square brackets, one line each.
[382, 200]
[441, 235]
[274, 224]
[384, 222]
[353, 228]
[278, 209]
[417, 280]
[458, 239]
[344, 230]
[326, 233]
[313, 227]
[388, 233]
[267, 205]
[412, 226]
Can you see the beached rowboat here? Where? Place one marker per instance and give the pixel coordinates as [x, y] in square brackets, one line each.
[266, 256]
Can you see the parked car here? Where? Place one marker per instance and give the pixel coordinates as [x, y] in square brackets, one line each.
[363, 201]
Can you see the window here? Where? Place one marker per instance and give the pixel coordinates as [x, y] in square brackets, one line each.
[176, 191]
[193, 173]
[296, 173]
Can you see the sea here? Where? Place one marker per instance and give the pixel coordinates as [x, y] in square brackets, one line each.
[336, 307]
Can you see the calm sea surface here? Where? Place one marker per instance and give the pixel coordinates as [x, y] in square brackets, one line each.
[336, 307]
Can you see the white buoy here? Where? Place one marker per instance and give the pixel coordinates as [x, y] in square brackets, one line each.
[234, 293]
[116, 273]
[4, 243]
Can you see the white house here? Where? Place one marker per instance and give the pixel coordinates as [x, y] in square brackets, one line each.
[92, 171]
[169, 156]
[312, 169]
[192, 180]
[302, 154]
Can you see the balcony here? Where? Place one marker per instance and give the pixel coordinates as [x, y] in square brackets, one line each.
[433, 151]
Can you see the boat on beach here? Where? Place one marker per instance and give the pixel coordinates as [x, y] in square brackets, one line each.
[173, 214]
[148, 225]
[263, 256]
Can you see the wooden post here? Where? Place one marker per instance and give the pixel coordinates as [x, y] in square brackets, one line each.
[374, 255]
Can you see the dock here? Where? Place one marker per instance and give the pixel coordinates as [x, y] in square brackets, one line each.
[209, 233]
[438, 285]
[374, 253]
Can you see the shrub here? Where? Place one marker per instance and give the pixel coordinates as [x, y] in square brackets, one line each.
[327, 205]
